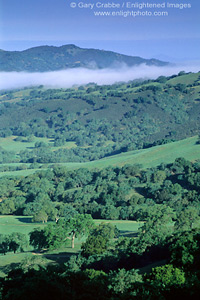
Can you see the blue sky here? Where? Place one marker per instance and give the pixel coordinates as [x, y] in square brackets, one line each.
[28, 23]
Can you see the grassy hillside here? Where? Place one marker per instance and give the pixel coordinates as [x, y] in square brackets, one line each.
[151, 157]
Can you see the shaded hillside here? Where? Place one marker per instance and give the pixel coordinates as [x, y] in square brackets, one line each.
[50, 58]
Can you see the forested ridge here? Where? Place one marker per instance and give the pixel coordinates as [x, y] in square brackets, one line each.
[50, 58]
[99, 120]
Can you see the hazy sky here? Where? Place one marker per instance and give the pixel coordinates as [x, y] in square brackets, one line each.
[28, 23]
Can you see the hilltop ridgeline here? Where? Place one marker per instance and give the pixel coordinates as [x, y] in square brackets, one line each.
[51, 58]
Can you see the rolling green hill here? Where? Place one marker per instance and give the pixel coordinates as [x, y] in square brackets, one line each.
[147, 158]
[151, 157]
[89, 123]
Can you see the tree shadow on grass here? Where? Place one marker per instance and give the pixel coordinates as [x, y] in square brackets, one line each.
[140, 190]
[27, 220]
[9, 267]
[60, 258]
[126, 233]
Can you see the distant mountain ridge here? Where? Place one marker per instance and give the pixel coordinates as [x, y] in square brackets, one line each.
[51, 58]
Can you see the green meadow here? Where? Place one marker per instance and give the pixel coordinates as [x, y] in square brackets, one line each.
[10, 144]
[23, 224]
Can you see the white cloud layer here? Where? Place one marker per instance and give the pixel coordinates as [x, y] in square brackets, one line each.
[81, 76]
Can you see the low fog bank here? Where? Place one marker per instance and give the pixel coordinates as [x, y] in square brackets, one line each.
[81, 76]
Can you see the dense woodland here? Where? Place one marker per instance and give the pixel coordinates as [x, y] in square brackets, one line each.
[101, 121]
[166, 198]
[111, 193]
